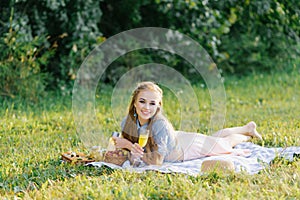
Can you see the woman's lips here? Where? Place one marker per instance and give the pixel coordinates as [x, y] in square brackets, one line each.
[145, 112]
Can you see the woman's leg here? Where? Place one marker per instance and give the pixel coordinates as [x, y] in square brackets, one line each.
[247, 130]
[196, 145]
[236, 139]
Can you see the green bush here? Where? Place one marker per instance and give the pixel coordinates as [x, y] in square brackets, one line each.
[72, 27]
[263, 37]
[21, 61]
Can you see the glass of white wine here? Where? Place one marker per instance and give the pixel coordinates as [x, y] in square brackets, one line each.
[143, 138]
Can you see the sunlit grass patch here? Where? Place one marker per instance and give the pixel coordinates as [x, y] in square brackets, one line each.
[32, 138]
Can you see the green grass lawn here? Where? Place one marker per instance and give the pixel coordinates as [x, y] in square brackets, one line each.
[32, 138]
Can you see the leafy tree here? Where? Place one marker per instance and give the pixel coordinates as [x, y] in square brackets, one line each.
[241, 36]
[263, 37]
[72, 27]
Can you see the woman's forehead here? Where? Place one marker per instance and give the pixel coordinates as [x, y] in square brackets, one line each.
[149, 95]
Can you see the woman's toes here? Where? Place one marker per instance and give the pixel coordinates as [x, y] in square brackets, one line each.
[252, 130]
[255, 133]
[251, 125]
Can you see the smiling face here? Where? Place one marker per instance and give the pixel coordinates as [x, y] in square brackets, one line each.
[146, 105]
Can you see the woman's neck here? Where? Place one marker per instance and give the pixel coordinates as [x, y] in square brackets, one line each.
[142, 122]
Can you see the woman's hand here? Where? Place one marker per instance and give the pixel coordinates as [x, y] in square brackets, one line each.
[136, 150]
[136, 154]
[122, 143]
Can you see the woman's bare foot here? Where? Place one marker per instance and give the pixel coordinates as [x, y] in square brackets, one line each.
[251, 126]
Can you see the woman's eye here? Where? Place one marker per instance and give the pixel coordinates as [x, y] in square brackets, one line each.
[141, 101]
[152, 104]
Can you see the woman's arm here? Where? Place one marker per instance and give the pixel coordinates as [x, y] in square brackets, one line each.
[157, 149]
[150, 158]
[122, 143]
[135, 148]
[153, 158]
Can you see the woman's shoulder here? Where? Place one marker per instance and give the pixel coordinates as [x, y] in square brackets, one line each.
[161, 124]
[160, 120]
[123, 122]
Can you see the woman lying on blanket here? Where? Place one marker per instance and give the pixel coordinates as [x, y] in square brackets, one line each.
[166, 144]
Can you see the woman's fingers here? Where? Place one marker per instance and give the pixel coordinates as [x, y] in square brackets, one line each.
[137, 149]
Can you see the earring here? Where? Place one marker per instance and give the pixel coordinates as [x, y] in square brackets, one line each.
[134, 113]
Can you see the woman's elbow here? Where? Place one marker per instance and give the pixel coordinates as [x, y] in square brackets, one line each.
[155, 160]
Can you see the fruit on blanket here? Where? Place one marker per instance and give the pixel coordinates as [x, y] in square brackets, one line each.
[117, 153]
[118, 157]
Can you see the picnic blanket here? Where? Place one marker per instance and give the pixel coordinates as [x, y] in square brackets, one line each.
[258, 160]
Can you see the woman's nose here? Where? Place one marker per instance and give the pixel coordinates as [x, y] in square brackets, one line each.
[147, 106]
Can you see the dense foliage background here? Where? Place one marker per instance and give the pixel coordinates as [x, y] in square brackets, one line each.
[44, 42]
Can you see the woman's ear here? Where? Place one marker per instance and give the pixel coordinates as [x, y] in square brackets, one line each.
[159, 107]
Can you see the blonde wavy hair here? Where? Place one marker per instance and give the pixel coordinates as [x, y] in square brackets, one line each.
[130, 129]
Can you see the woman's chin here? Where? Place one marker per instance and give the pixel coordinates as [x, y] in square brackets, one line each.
[145, 118]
